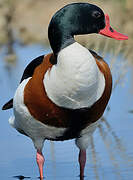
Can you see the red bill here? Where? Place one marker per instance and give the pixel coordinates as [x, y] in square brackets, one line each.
[110, 32]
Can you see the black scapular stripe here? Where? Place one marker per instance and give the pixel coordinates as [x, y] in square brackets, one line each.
[28, 72]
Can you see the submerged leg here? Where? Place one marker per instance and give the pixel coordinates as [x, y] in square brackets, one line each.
[40, 162]
[82, 162]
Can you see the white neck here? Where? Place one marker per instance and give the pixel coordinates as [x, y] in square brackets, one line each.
[75, 81]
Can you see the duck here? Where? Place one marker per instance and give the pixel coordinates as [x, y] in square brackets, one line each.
[63, 94]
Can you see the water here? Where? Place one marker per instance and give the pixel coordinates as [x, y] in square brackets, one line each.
[109, 156]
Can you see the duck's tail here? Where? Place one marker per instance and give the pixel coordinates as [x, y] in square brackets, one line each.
[8, 105]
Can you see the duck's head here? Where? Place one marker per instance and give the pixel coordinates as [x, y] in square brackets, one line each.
[78, 19]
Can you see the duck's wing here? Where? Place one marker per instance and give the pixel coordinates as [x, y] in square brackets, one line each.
[28, 72]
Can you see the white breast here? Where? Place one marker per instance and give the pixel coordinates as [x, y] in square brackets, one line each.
[75, 81]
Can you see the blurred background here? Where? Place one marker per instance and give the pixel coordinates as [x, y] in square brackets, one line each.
[23, 36]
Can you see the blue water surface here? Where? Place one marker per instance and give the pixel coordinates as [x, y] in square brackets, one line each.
[109, 156]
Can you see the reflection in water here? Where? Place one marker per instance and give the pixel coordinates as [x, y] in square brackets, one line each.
[119, 146]
[21, 177]
[116, 152]
[114, 147]
[108, 144]
[94, 158]
[52, 149]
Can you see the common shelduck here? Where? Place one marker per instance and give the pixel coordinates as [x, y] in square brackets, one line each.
[62, 95]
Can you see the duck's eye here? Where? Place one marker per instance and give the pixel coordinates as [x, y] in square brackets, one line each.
[96, 14]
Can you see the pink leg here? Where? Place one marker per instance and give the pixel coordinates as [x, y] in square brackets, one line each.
[40, 162]
[82, 161]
